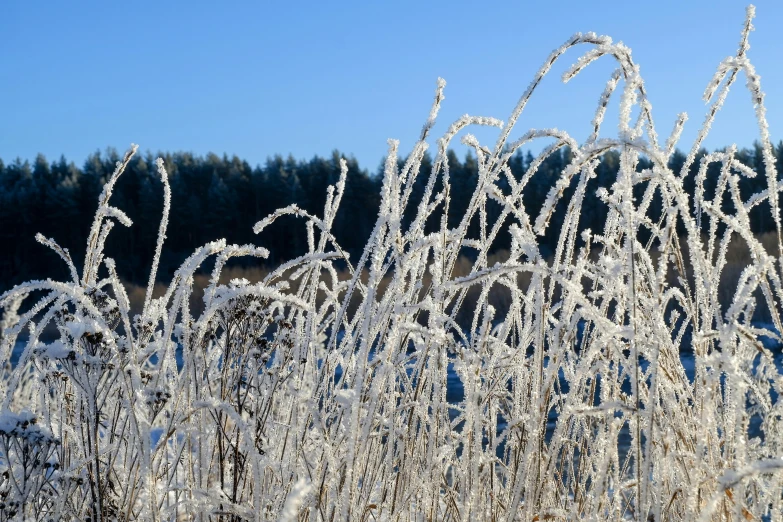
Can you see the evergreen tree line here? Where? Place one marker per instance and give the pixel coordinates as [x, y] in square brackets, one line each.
[220, 197]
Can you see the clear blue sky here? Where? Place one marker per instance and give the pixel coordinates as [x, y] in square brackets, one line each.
[256, 78]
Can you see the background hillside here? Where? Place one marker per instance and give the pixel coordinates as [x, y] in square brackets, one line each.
[223, 197]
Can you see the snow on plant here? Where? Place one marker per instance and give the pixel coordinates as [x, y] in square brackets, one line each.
[281, 401]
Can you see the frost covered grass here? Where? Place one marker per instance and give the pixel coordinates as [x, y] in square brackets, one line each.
[311, 395]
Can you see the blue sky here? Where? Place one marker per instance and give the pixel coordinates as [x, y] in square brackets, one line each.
[256, 78]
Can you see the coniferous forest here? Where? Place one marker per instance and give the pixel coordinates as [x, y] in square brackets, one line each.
[222, 197]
